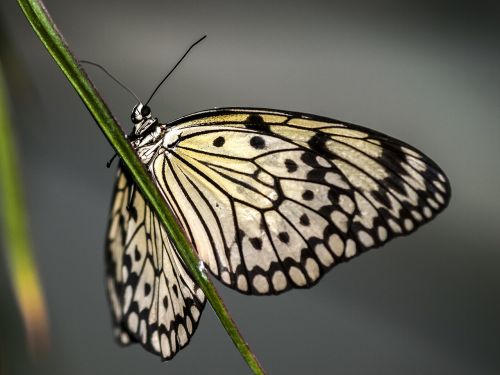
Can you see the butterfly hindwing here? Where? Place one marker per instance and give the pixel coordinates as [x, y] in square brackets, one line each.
[115, 246]
[153, 299]
[271, 200]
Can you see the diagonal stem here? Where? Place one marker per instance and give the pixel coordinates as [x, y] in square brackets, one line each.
[45, 28]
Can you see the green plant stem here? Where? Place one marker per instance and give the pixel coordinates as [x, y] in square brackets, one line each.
[48, 33]
[20, 258]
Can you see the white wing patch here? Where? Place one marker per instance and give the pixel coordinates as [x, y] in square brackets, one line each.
[153, 299]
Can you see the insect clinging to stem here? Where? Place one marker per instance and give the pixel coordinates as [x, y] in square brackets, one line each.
[270, 199]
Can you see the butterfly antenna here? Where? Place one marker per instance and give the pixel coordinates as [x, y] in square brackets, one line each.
[112, 77]
[175, 66]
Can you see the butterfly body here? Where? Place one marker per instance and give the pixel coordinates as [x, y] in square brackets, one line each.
[271, 200]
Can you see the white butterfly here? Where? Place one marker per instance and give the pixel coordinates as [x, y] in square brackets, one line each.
[271, 200]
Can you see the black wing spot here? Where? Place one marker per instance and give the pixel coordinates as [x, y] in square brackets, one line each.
[219, 142]
[318, 143]
[145, 111]
[176, 290]
[309, 158]
[256, 121]
[307, 195]
[257, 142]
[137, 255]
[291, 166]
[284, 237]
[147, 289]
[165, 302]
[304, 220]
[256, 243]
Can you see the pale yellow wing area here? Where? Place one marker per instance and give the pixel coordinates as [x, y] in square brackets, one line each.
[272, 200]
[153, 299]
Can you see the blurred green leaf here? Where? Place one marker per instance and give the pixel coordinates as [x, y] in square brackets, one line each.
[20, 259]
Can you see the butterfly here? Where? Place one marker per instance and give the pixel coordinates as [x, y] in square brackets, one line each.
[271, 200]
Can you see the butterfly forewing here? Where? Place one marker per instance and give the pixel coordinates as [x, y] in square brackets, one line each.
[271, 200]
[153, 299]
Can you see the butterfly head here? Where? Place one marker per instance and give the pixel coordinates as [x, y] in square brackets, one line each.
[142, 119]
[140, 113]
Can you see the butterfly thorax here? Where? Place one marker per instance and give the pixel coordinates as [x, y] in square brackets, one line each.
[146, 137]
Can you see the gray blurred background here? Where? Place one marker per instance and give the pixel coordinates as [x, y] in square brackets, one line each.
[426, 72]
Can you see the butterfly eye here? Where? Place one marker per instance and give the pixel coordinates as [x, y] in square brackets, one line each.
[145, 111]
